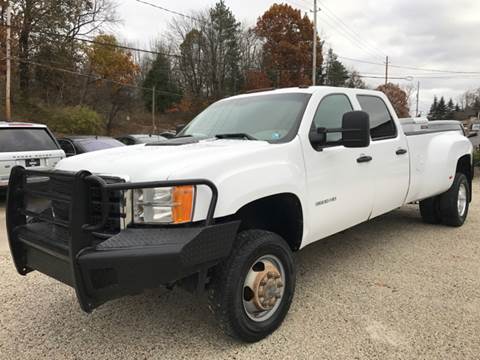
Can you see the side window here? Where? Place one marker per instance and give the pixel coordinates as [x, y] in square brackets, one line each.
[67, 147]
[381, 122]
[330, 113]
[126, 141]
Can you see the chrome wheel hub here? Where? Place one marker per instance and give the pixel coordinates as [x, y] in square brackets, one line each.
[462, 200]
[263, 288]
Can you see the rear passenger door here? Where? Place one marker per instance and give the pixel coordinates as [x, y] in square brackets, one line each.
[391, 165]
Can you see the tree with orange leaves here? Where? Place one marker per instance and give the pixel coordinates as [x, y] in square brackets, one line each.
[116, 72]
[397, 97]
[288, 45]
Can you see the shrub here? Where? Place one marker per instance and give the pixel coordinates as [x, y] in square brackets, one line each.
[476, 157]
[78, 120]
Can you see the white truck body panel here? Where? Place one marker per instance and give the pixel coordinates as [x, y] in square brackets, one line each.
[335, 191]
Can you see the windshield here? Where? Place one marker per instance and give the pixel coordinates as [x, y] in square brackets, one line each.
[90, 145]
[26, 139]
[273, 118]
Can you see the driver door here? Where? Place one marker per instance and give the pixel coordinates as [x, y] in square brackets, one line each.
[339, 186]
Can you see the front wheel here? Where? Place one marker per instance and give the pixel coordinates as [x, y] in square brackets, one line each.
[252, 290]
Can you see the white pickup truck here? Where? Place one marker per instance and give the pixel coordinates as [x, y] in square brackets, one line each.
[225, 204]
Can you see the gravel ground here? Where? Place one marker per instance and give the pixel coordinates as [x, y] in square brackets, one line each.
[393, 288]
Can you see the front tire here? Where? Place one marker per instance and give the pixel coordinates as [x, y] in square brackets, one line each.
[251, 291]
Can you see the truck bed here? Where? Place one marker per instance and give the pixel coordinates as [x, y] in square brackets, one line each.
[428, 143]
[421, 126]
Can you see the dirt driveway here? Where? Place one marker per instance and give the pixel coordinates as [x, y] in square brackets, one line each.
[394, 288]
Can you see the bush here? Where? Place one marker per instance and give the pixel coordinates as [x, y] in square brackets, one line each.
[77, 120]
[476, 158]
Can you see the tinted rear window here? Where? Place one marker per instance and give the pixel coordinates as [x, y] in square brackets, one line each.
[381, 122]
[89, 145]
[25, 139]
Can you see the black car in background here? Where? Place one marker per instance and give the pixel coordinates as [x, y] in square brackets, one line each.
[140, 139]
[76, 145]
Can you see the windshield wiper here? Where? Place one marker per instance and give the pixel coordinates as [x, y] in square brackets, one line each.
[236, 136]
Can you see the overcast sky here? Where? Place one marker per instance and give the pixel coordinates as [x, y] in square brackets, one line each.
[427, 34]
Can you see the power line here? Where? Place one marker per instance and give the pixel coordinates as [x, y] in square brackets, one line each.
[347, 32]
[168, 10]
[347, 36]
[436, 70]
[355, 41]
[361, 61]
[352, 31]
[430, 71]
[94, 77]
[100, 43]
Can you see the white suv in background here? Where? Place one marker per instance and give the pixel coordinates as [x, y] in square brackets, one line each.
[30, 145]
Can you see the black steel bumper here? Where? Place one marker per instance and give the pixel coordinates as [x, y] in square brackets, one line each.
[102, 266]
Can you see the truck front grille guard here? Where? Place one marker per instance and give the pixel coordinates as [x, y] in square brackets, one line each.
[106, 188]
[75, 195]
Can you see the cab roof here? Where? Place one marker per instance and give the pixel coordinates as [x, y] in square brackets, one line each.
[308, 90]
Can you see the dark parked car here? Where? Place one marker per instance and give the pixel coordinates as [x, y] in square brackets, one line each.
[76, 145]
[168, 134]
[140, 139]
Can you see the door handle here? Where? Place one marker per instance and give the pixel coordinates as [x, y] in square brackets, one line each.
[401, 152]
[364, 159]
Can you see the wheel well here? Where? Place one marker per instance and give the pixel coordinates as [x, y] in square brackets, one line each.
[464, 166]
[281, 214]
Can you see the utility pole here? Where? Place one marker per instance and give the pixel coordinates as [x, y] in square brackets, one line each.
[8, 109]
[386, 71]
[418, 98]
[154, 125]
[315, 33]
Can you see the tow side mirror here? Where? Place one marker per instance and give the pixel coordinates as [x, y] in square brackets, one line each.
[355, 132]
[356, 129]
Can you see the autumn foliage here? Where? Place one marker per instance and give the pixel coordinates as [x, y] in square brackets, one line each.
[288, 45]
[257, 79]
[397, 97]
[110, 62]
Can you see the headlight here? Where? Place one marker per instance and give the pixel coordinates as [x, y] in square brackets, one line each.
[168, 205]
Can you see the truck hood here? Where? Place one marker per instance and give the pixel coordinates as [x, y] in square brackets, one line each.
[145, 163]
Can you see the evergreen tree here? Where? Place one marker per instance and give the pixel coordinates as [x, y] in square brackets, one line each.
[432, 115]
[441, 109]
[166, 90]
[450, 109]
[336, 73]
[457, 108]
[223, 42]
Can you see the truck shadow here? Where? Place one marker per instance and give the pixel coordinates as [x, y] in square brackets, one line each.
[3, 198]
[169, 322]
